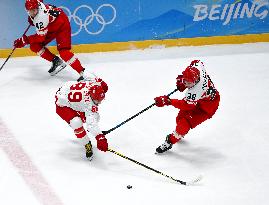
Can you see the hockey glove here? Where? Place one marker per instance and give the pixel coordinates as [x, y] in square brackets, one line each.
[101, 142]
[104, 86]
[162, 101]
[21, 42]
[180, 85]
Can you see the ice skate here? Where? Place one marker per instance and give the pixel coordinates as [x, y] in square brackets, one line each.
[57, 66]
[87, 76]
[89, 153]
[165, 146]
[81, 76]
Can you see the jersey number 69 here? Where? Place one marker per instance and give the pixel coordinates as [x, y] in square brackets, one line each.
[75, 95]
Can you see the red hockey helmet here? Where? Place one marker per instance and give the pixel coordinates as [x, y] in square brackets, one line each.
[31, 4]
[191, 74]
[97, 93]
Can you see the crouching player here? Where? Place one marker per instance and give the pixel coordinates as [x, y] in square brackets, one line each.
[77, 103]
[199, 104]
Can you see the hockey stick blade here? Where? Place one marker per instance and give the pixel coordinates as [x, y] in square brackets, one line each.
[157, 171]
[194, 181]
[187, 183]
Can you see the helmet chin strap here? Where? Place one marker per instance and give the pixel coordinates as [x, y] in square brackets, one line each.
[197, 81]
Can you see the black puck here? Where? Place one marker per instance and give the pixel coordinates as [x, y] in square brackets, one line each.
[129, 187]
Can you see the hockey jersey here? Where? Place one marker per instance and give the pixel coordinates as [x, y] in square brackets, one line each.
[75, 95]
[202, 95]
[47, 14]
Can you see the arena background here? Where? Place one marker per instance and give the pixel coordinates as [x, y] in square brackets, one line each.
[109, 25]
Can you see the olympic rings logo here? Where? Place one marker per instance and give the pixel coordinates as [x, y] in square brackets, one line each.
[90, 18]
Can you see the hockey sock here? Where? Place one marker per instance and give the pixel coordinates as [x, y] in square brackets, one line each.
[183, 127]
[174, 138]
[80, 132]
[46, 54]
[70, 59]
[77, 125]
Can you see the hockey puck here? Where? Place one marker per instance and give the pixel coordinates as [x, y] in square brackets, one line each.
[129, 187]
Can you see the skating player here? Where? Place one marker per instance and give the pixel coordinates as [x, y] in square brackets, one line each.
[77, 103]
[51, 23]
[199, 104]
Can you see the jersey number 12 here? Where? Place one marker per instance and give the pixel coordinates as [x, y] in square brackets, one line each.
[39, 25]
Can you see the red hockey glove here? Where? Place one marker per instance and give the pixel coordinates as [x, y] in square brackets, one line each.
[180, 85]
[103, 84]
[21, 42]
[162, 101]
[101, 142]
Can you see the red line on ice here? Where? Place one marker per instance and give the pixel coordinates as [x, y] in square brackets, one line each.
[26, 168]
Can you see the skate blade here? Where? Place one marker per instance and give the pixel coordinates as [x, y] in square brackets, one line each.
[57, 70]
[157, 153]
[90, 158]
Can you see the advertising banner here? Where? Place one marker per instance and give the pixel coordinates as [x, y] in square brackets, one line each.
[108, 21]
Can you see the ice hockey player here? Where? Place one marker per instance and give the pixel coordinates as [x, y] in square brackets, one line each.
[199, 104]
[51, 23]
[77, 103]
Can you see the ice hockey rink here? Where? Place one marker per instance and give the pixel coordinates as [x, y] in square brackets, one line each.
[41, 161]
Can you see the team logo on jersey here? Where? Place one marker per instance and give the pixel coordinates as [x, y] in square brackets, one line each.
[94, 17]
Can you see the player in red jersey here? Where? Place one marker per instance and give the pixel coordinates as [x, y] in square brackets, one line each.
[51, 23]
[77, 103]
[199, 104]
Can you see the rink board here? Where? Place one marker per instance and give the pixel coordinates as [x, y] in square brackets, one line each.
[132, 45]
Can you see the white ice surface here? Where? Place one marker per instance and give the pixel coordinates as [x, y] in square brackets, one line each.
[231, 150]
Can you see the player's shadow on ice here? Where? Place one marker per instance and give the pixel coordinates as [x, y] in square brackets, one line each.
[75, 152]
[40, 74]
[198, 156]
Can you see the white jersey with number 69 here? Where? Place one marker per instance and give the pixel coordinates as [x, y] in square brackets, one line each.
[75, 95]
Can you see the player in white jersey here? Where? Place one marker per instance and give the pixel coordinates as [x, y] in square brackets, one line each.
[77, 103]
[199, 104]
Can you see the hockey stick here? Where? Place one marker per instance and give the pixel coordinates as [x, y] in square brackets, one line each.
[199, 178]
[14, 48]
[147, 108]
